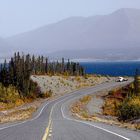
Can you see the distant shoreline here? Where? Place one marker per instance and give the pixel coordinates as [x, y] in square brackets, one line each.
[101, 60]
[88, 60]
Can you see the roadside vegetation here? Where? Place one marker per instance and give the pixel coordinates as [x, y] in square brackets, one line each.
[124, 103]
[129, 109]
[79, 107]
[17, 115]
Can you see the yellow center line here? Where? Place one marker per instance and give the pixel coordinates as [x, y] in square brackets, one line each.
[47, 131]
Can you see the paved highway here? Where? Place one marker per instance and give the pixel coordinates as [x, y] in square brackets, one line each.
[54, 121]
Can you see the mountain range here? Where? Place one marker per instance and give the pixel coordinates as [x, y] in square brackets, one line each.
[110, 37]
[5, 48]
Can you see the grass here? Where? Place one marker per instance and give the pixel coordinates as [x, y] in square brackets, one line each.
[17, 115]
[110, 106]
[84, 114]
[85, 99]
[79, 106]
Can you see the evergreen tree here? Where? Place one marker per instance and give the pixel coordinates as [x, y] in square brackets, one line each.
[137, 83]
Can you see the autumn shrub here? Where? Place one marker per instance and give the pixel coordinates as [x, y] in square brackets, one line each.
[86, 76]
[111, 92]
[129, 109]
[84, 114]
[19, 102]
[8, 94]
[78, 79]
[85, 99]
[47, 94]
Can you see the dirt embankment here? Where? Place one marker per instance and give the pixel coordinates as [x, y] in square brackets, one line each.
[64, 84]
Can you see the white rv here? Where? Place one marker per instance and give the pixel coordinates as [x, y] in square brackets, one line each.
[121, 79]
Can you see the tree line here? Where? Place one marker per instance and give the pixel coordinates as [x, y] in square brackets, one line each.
[18, 70]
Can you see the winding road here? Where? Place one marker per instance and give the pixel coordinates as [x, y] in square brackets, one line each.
[53, 121]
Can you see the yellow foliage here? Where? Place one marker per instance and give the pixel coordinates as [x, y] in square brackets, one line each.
[135, 101]
[19, 102]
[110, 106]
[137, 126]
[84, 114]
[8, 94]
[78, 78]
[86, 99]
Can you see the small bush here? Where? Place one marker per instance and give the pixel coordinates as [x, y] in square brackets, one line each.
[111, 92]
[19, 102]
[78, 79]
[84, 114]
[85, 99]
[86, 76]
[46, 95]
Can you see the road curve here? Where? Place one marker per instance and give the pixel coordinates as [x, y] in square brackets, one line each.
[53, 121]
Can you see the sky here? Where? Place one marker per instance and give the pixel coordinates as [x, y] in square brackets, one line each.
[18, 16]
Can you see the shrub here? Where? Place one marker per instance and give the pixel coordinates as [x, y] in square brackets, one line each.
[111, 106]
[86, 76]
[129, 109]
[46, 95]
[111, 92]
[84, 114]
[78, 79]
[8, 94]
[85, 99]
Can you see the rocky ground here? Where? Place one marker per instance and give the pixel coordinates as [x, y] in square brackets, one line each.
[64, 84]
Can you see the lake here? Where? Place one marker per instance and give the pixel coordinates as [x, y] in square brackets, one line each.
[111, 68]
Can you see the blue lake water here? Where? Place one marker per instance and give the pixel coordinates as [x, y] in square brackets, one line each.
[111, 68]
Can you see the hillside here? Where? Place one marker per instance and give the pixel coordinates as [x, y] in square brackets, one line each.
[5, 48]
[113, 36]
[64, 84]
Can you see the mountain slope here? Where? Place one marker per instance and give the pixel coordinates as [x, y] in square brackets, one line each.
[5, 48]
[119, 31]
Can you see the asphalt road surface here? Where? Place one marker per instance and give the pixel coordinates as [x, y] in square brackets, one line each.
[53, 121]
